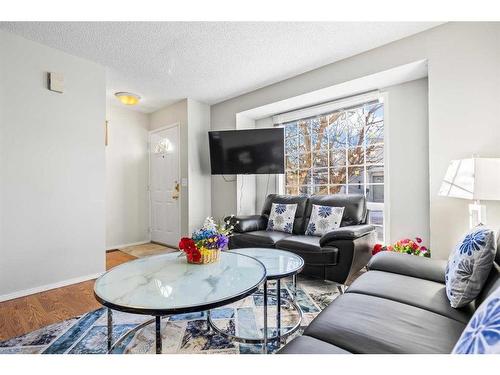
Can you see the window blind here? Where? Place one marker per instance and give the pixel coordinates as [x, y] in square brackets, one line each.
[323, 108]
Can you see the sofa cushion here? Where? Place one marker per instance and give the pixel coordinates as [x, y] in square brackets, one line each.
[300, 242]
[361, 323]
[301, 201]
[282, 217]
[259, 238]
[469, 265]
[309, 249]
[324, 219]
[409, 265]
[354, 207]
[425, 294]
[310, 345]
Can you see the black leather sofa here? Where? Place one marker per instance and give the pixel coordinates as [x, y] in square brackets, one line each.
[336, 256]
[398, 306]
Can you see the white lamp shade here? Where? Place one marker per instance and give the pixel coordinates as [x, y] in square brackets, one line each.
[475, 179]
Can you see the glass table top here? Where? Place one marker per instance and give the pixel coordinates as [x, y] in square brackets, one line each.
[167, 284]
[278, 263]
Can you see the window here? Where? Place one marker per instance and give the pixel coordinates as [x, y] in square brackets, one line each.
[339, 152]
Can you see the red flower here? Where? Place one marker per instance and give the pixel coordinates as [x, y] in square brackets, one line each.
[389, 248]
[377, 249]
[189, 247]
[418, 239]
[195, 256]
[423, 249]
[414, 246]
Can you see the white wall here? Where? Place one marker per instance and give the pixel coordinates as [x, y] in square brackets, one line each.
[265, 183]
[246, 184]
[464, 76]
[199, 188]
[464, 82]
[127, 165]
[407, 140]
[52, 168]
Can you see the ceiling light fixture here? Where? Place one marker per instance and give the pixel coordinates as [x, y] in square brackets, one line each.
[128, 98]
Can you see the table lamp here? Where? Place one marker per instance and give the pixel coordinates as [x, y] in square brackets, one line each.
[476, 179]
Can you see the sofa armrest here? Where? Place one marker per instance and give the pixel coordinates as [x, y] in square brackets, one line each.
[409, 265]
[355, 244]
[350, 232]
[247, 223]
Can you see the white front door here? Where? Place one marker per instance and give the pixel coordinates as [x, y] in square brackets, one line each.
[164, 185]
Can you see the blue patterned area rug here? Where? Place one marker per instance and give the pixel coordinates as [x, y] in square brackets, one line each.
[183, 333]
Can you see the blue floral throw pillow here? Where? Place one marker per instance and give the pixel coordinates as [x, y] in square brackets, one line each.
[324, 219]
[482, 334]
[282, 217]
[469, 265]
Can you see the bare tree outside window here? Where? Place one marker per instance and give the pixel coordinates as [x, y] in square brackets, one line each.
[341, 152]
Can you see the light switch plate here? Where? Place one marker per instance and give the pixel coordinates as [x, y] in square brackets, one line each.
[56, 82]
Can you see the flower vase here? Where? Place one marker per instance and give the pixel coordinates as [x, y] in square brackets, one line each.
[206, 257]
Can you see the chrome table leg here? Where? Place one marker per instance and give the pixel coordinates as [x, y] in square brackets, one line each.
[294, 282]
[110, 329]
[265, 318]
[278, 311]
[208, 320]
[158, 335]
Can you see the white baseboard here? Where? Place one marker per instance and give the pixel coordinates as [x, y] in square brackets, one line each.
[127, 245]
[43, 288]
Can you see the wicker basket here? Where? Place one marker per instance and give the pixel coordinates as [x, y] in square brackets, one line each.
[210, 257]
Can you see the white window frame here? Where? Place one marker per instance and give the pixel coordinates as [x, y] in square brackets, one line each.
[278, 120]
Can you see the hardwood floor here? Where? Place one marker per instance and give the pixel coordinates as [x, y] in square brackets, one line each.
[25, 314]
[117, 257]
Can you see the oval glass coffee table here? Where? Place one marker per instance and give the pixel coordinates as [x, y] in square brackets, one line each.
[166, 284]
[279, 264]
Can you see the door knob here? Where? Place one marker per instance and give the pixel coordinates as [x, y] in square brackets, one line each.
[175, 193]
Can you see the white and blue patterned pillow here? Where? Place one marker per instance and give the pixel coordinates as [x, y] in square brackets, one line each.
[282, 217]
[482, 334]
[324, 219]
[469, 265]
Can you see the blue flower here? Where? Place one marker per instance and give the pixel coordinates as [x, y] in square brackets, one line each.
[311, 228]
[473, 242]
[280, 208]
[483, 330]
[203, 234]
[288, 228]
[324, 211]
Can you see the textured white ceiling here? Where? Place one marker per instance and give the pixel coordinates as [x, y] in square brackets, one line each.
[209, 61]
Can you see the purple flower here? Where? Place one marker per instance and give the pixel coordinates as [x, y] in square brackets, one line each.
[222, 241]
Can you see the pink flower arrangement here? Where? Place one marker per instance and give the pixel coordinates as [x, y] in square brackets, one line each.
[406, 246]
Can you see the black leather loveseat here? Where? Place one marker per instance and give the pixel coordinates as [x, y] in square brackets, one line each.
[398, 306]
[336, 256]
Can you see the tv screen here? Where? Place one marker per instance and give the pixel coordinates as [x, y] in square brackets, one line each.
[251, 151]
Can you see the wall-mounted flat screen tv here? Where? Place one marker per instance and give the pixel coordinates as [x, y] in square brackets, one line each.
[249, 151]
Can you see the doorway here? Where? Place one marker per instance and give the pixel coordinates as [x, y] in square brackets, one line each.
[164, 186]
